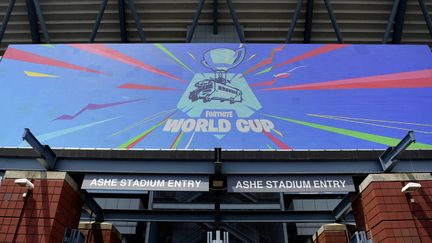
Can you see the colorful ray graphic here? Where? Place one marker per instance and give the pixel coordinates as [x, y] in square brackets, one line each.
[389, 141]
[318, 51]
[143, 121]
[414, 79]
[276, 78]
[264, 71]
[105, 51]
[251, 57]
[191, 55]
[372, 120]
[266, 61]
[273, 81]
[371, 124]
[166, 51]
[276, 141]
[92, 106]
[66, 131]
[135, 140]
[143, 87]
[39, 75]
[190, 140]
[25, 56]
[176, 141]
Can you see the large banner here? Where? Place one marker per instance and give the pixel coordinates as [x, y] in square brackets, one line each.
[202, 96]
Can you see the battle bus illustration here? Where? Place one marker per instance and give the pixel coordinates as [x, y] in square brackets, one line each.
[209, 89]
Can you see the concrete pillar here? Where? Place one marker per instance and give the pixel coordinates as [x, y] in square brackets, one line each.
[389, 215]
[331, 233]
[100, 232]
[44, 213]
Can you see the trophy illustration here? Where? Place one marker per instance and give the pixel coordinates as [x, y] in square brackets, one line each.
[220, 60]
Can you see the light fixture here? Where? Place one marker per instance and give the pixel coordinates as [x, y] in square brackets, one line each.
[411, 187]
[24, 182]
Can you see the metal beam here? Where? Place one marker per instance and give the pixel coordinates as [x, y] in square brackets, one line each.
[308, 22]
[100, 14]
[426, 16]
[236, 21]
[343, 207]
[353, 167]
[93, 206]
[294, 21]
[207, 216]
[333, 20]
[390, 20]
[388, 158]
[122, 21]
[195, 21]
[223, 206]
[399, 23]
[41, 21]
[33, 22]
[6, 18]
[215, 17]
[137, 20]
[47, 156]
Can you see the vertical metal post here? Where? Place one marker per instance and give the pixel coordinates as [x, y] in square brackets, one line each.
[294, 20]
[284, 225]
[236, 21]
[33, 22]
[426, 16]
[215, 17]
[41, 21]
[308, 22]
[390, 20]
[149, 224]
[195, 21]
[333, 20]
[98, 20]
[6, 18]
[400, 19]
[122, 20]
[137, 20]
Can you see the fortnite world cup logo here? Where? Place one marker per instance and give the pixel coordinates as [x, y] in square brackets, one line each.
[219, 60]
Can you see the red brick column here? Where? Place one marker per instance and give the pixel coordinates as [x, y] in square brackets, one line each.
[389, 215]
[44, 213]
[331, 233]
[100, 232]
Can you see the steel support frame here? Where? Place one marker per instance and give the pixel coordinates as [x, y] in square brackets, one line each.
[47, 157]
[215, 17]
[6, 18]
[197, 14]
[399, 22]
[122, 20]
[358, 167]
[207, 216]
[294, 21]
[308, 21]
[388, 158]
[397, 14]
[34, 14]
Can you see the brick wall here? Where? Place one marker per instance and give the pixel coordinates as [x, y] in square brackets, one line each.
[331, 233]
[389, 215]
[41, 216]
